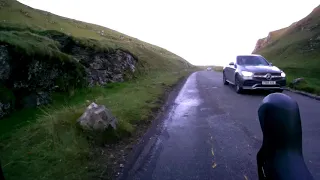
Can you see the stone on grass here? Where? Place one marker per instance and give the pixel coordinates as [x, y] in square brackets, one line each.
[98, 118]
[297, 81]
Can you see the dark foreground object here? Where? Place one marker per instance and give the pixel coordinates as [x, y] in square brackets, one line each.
[280, 157]
[1, 173]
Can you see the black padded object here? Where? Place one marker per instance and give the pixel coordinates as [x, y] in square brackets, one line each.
[1, 173]
[280, 156]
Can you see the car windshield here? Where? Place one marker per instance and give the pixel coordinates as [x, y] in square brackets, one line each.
[252, 61]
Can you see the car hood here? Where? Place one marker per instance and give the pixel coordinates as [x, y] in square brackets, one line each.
[258, 69]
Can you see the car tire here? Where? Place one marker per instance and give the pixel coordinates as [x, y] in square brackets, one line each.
[239, 89]
[225, 82]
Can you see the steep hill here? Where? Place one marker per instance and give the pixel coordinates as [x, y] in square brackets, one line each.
[18, 16]
[296, 49]
[272, 37]
[41, 52]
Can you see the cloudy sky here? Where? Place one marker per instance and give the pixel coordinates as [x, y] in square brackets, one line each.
[202, 31]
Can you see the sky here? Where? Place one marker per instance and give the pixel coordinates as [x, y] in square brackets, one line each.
[204, 32]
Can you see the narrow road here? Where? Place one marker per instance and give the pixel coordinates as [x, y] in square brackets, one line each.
[210, 132]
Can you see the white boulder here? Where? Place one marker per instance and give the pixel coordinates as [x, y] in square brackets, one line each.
[97, 117]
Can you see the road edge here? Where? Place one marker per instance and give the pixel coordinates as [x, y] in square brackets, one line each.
[146, 141]
[312, 96]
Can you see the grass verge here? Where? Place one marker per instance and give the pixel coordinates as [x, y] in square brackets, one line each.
[46, 143]
[297, 65]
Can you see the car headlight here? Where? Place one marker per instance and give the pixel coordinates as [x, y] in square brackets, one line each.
[283, 74]
[246, 73]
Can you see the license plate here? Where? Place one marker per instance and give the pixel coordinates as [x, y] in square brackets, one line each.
[268, 82]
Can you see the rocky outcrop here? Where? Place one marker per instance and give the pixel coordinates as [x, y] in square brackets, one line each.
[103, 68]
[4, 63]
[272, 37]
[30, 78]
[308, 25]
[6, 99]
[261, 43]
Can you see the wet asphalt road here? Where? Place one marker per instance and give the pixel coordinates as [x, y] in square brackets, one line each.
[210, 132]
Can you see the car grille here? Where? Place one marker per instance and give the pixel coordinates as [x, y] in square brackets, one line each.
[250, 83]
[263, 74]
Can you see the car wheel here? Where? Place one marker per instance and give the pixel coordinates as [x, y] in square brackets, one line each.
[225, 82]
[239, 89]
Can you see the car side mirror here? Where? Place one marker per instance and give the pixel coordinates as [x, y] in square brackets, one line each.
[270, 64]
[231, 63]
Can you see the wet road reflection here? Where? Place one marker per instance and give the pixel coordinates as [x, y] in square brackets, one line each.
[211, 132]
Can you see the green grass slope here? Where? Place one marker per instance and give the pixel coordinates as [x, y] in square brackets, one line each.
[17, 16]
[296, 49]
[48, 145]
[45, 143]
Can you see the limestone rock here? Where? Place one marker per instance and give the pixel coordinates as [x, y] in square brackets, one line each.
[97, 118]
[297, 81]
[4, 63]
[32, 79]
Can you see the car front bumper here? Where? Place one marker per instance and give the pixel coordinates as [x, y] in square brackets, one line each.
[256, 83]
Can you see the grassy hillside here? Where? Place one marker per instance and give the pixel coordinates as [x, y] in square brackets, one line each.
[16, 16]
[275, 35]
[44, 142]
[296, 49]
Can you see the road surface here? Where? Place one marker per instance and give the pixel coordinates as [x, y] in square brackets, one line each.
[210, 132]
